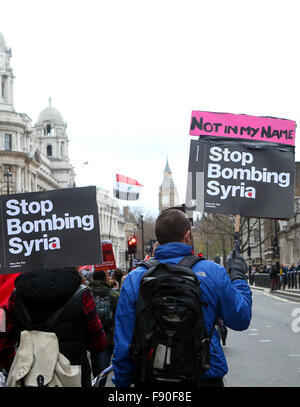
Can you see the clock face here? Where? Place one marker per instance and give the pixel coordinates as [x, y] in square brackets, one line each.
[165, 200]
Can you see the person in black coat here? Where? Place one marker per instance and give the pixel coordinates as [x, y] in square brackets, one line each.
[36, 297]
[274, 277]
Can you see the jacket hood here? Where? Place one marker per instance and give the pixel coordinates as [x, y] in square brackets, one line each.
[172, 250]
[47, 286]
[98, 283]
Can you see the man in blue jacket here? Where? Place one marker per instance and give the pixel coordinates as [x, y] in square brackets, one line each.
[228, 296]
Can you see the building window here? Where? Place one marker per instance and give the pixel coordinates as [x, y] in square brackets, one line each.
[7, 142]
[48, 128]
[256, 235]
[2, 87]
[62, 149]
[49, 150]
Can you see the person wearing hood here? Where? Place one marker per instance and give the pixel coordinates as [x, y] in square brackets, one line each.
[41, 293]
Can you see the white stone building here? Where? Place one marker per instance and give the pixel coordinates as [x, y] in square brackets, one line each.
[36, 157]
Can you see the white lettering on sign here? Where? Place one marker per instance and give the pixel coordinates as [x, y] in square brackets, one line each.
[15, 207]
[16, 226]
[243, 174]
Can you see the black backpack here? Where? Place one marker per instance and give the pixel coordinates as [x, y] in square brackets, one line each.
[170, 341]
[50, 323]
[47, 325]
[104, 307]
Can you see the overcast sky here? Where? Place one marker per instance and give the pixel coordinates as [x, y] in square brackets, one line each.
[126, 75]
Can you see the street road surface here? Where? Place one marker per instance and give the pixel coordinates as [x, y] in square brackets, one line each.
[268, 353]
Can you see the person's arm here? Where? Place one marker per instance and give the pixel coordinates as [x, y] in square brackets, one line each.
[114, 295]
[235, 297]
[235, 301]
[124, 327]
[96, 338]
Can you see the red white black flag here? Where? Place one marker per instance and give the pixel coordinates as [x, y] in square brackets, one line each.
[127, 188]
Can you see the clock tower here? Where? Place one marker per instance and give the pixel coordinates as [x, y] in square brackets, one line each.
[168, 195]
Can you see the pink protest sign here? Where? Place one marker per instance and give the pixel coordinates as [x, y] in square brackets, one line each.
[242, 126]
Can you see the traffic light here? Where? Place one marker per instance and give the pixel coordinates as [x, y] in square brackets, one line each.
[275, 248]
[249, 251]
[132, 242]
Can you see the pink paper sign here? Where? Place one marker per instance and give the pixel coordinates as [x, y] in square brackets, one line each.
[242, 126]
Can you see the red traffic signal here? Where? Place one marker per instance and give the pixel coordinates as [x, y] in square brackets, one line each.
[132, 242]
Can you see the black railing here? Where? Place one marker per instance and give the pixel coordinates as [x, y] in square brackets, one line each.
[262, 280]
[290, 280]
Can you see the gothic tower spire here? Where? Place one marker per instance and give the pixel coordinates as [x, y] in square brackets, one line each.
[168, 195]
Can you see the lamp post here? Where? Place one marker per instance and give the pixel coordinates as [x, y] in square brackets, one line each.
[7, 174]
[260, 249]
[142, 223]
[249, 246]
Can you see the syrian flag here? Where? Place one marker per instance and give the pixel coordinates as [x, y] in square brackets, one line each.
[127, 188]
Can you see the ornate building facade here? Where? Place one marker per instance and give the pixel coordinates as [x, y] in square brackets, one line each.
[36, 157]
[286, 232]
[168, 195]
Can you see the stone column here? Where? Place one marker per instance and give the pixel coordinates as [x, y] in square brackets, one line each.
[18, 179]
[27, 179]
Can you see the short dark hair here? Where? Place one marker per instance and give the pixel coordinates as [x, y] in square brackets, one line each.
[171, 226]
[99, 275]
[117, 274]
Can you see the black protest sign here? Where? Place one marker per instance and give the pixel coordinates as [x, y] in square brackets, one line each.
[49, 229]
[240, 177]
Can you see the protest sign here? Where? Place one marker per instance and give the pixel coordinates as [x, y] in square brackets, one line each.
[240, 177]
[109, 262]
[237, 126]
[49, 229]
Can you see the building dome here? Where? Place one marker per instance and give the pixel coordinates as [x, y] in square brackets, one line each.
[52, 115]
[2, 43]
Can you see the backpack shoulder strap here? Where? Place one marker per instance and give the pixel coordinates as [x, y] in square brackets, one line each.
[149, 263]
[190, 260]
[101, 293]
[54, 317]
[23, 311]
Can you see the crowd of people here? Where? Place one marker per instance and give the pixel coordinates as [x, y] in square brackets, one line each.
[94, 318]
[281, 275]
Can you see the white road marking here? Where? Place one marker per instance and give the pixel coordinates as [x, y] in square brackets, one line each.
[265, 340]
[281, 299]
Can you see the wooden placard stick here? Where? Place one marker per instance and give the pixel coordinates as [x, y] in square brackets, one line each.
[237, 233]
[237, 225]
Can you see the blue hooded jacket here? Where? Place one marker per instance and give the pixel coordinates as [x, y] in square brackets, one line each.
[231, 301]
